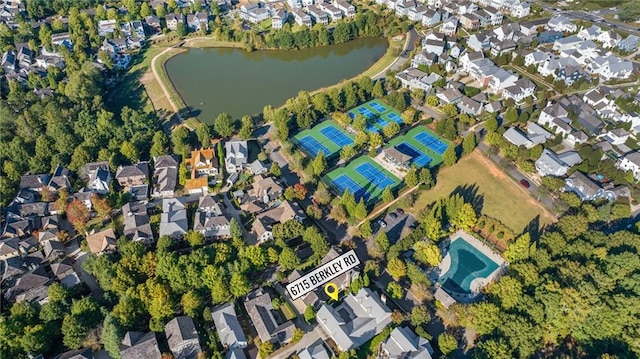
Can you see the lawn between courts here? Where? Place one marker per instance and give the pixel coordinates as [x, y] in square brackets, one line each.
[414, 144]
[326, 136]
[364, 176]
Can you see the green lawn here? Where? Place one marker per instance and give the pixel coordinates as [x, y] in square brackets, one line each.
[409, 138]
[315, 133]
[501, 197]
[374, 191]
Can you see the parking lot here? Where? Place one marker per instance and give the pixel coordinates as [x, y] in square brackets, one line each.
[396, 227]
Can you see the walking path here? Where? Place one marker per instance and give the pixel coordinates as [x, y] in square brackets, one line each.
[403, 57]
[381, 209]
[162, 85]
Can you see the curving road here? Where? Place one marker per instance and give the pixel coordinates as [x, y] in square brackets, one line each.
[405, 55]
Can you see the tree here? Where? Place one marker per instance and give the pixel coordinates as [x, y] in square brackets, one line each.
[203, 132]
[73, 332]
[411, 178]
[449, 158]
[235, 230]
[365, 229]
[491, 124]
[391, 130]
[266, 349]
[111, 337]
[102, 206]
[419, 315]
[426, 178]
[246, 128]
[360, 212]
[183, 173]
[194, 238]
[223, 125]
[387, 195]
[469, 143]
[239, 286]
[159, 144]
[447, 343]
[395, 290]
[466, 217]
[180, 139]
[508, 290]
[299, 191]
[319, 164]
[309, 314]
[275, 170]
[378, 90]
[432, 101]
[520, 249]
[288, 259]
[511, 115]
[348, 152]
[396, 268]
[428, 253]
[78, 214]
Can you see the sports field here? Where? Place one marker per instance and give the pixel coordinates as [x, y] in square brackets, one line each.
[326, 136]
[378, 115]
[466, 264]
[363, 177]
[424, 146]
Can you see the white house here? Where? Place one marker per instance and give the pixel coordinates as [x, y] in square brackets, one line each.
[520, 90]
[562, 24]
[631, 163]
[521, 9]
[552, 164]
[589, 33]
[236, 155]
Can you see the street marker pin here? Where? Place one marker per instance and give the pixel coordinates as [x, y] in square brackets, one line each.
[332, 290]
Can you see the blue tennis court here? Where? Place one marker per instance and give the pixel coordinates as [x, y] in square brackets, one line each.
[336, 136]
[397, 119]
[365, 112]
[433, 143]
[378, 107]
[419, 158]
[382, 122]
[312, 146]
[374, 175]
[344, 182]
[372, 128]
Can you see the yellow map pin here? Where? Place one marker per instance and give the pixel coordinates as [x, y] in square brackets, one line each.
[332, 290]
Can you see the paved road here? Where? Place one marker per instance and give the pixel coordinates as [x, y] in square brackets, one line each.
[304, 343]
[593, 16]
[405, 55]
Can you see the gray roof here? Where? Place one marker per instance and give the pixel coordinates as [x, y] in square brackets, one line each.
[137, 170]
[228, 327]
[236, 152]
[165, 161]
[315, 351]
[583, 186]
[34, 181]
[516, 137]
[182, 337]
[137, 345]
[398, 156]
[260, 311]
[404, 343]
[208, 203]
[85, 353]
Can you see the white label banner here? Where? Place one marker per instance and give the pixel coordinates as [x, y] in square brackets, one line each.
[322, 274]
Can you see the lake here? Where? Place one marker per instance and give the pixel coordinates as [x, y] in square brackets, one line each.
[238, 82]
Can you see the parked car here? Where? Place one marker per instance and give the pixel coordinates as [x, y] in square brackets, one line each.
[400, 210]
[382, 223]
[525, 183]
[393, 215]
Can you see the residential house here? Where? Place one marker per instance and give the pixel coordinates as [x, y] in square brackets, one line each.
[199, 185]
[182, 338]
[552, 164]
[532, 27]
[566, 43]
[403, 7]
[136, 345]
[537, 134]
[631, 163]
[198, 21]
[413, 78]
[260, 310]
[257, 168]
[133, 175]
[347, 9]
[561, 23]
[317, 15]
[469, 22]
[85, 353]
[629, 44]
[153, 22]
[301, 18]
[228, 327]
[356, 320]
[317, 350]
[589, 190]
[493, 107]
[536, 58]
[469, 106]
[448, 95]
[279, 19]
[106, 27]
[495, 16]
[589, 33]
[521, 9]
[99, 177]
[416, 13]
[59, 180]
[502, 47]
[172, 21]
[518, 138]
[165, 175]
[479, 42]
[404, 343]
[254, 13]
[203, 162]
[501, 79]
[334, 13]
[237, 152]
[431, 17]
[577, 137]
[548, 37]
[32, 286]
[264, 221]
[520, 90]
[102, 242]
[53, 249]
[209, 219]
[591, 125]
[450, 26]
[609, 39]
[173, 220]
[621, 69]
[136, 223]
[433, 46]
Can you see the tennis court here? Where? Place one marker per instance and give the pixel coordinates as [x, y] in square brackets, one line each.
[432, 142]
[422, 155]
[312, 146]
[363, 177]
[374, 175]
[336, 136]
[343, 182]
[378, 115]
[419, 159]
[326, 137]
[467, 264]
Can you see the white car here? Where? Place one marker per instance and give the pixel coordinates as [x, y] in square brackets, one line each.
[382, 223]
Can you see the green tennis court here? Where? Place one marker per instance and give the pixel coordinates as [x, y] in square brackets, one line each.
[378, 114]
[408, 144]
[363, 177]
[467, 264]
[326, 136]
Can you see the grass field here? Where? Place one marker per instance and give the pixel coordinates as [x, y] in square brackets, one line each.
[497, 194]
[409, 138]
[373, 191]
[316, 133]
[378, 115]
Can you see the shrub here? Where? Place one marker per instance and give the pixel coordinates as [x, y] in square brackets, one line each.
[500, 235]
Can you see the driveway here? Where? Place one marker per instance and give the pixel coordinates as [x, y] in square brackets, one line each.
[306, 341]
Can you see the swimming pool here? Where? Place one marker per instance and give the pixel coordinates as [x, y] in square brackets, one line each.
[467, 264]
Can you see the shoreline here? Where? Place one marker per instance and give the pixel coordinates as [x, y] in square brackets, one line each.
[178, 104]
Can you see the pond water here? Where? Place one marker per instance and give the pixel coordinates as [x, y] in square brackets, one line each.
[216, 80]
